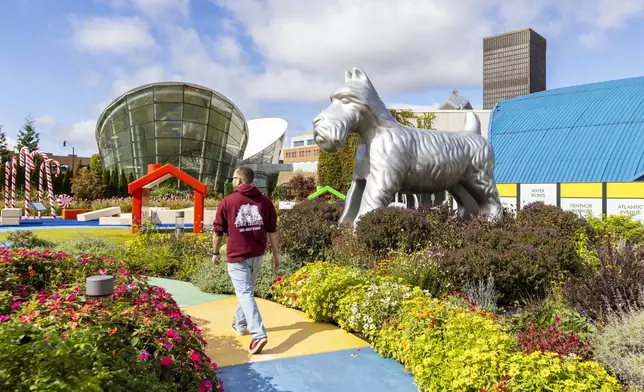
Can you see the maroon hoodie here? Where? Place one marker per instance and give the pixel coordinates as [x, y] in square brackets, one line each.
[246, 216]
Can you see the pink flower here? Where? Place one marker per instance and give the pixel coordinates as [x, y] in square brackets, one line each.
[195, 356]
[102, 271]
[4, 318]
[71, 298]
[84, 260]
[171, 334]
[55, 297]
[16, 305]
[166, 361]
[144, 355]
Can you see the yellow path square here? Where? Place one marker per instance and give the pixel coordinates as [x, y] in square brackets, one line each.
[290, 333]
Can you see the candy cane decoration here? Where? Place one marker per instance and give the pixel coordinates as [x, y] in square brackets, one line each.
[50, 186]
[14, 165]
[7, 171]
[27, 160]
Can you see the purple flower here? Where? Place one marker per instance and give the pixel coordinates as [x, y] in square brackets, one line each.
[144, 355]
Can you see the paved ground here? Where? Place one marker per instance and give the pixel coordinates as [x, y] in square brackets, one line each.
[301, 356]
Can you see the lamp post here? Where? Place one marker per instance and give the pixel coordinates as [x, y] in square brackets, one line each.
[65, 144]
[178, 224]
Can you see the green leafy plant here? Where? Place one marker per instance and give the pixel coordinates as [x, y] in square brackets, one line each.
[385, 229]
[27, 239]
[336, 169]
[618, 227]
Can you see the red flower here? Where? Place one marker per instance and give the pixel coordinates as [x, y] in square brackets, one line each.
[113, 331]
[166, 361]
[195, 356]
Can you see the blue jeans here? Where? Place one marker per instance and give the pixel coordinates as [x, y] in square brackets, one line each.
[244, 274]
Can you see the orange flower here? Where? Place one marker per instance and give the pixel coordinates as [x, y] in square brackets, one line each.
[72, 324]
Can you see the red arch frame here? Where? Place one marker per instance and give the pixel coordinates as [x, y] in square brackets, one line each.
[140, 191]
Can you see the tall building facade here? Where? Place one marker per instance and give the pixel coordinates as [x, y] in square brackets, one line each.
[302, 148]
[514, 64]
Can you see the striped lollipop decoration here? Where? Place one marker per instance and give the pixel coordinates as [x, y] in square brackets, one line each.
[64, 200]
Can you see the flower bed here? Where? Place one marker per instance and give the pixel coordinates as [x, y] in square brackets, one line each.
[52, 336]
[447, 343]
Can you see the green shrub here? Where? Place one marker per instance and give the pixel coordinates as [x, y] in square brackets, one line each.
[448, 344]
[281, 193]
[307, 231]
[89, 245]
[27, 239]
[214, 278]
[619, 346]
[523, 261]
[418, 269]
[336, 170]
[385, 229]
[619, 227]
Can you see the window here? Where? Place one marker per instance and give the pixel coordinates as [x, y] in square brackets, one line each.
[299, 143]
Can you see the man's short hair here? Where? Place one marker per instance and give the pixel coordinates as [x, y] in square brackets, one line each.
[246, 174]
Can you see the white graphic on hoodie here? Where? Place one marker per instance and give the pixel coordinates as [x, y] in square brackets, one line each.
[248, 218]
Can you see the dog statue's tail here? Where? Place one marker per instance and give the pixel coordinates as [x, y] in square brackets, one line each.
[472, 123]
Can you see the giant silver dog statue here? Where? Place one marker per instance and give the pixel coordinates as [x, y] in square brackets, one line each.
[392, 158]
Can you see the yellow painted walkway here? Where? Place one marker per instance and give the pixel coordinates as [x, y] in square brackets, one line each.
[290, 333]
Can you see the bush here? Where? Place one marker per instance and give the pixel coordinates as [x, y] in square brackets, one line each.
[161, 254]
[448, 344]
[88, 184]
[522, 261]
[307, 231]
[385, 229]
[281, 193]
[346, 250]
[619, 346]
[614, 287]
[211, 278]
[27, 239]
[418, 269]
[301, 187]
[336, 170]
[545, 216]
[89, 245]
[138, 339]
[553, 340]
[618, 227]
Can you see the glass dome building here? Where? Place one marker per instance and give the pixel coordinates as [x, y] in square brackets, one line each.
[192, 127]
[265, 141]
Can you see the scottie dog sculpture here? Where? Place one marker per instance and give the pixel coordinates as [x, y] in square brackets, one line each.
[393, 158]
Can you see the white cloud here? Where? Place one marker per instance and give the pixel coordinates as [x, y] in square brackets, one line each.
[81, 135]
[92, 78]
[120, 36]
[45, 120]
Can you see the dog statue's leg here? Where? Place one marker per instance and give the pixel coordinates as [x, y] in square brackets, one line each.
[352, 201]
[378, 192]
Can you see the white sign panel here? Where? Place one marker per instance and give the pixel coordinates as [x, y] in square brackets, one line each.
[286, 205]
[545, 193]
[582, 207]
[633, 207]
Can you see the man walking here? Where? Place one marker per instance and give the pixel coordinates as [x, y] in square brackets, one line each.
[246, 216]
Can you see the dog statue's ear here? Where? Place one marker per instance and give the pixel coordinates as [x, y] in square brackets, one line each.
[347, 76]
[360, 75]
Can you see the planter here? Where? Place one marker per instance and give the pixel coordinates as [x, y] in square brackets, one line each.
[71, 214]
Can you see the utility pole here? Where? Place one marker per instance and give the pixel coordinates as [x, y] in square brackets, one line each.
[65, 144]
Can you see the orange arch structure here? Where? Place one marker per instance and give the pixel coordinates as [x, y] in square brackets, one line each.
[140, 191]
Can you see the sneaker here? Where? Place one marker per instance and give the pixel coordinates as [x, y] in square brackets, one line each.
[240, 333]
[257, 344]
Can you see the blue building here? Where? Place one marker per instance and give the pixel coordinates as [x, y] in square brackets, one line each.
[586, 133]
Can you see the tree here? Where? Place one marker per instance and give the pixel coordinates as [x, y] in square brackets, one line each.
[425, 120]
[107, 181]
[28, 136]
[404, 117]
[88, 184]
[301, 187]
[114, 182]
[4, 152]
[95, 163]
[122, 184]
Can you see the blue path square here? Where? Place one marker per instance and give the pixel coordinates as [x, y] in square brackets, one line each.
[338, 371]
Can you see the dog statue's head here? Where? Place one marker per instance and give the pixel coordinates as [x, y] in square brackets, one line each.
[350, 105]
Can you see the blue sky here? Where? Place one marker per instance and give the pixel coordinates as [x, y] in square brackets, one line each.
[64, 60]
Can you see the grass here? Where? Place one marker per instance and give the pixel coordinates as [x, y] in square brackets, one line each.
[118, 236]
